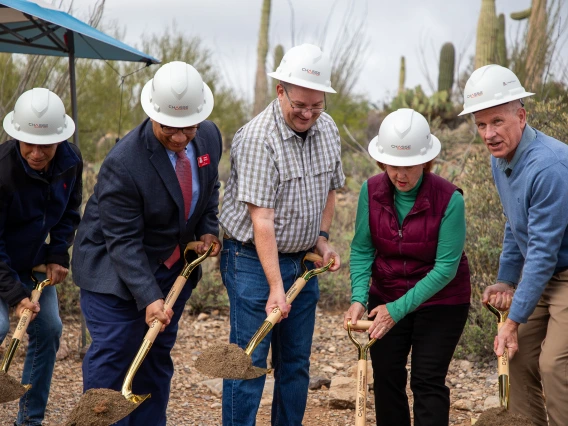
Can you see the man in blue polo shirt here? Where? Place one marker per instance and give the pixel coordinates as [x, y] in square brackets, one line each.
[530, 170]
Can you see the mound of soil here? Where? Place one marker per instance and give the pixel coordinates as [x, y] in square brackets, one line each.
[100, 407]
[501, 417]
[224, 361]
[10, 388]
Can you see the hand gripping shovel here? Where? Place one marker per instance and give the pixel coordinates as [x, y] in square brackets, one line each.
[503, 364]
[11, 388]
[229, 361]
[104, 407]
[361, 397]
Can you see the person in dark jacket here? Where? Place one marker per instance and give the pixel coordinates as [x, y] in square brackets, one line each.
[409, 240]
[40, 199]
[157, 190]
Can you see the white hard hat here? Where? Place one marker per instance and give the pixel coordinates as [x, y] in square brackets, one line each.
[39, 118]
[404, 139]
[490, 86]
[305, 66]
[177, 96]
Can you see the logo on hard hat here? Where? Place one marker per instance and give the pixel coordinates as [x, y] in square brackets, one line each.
[314, 72]
[179, 107]
[476, 94]
[401, 147]
[38, 126]
[509, 82]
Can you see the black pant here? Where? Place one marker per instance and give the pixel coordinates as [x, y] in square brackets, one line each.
[432, 333]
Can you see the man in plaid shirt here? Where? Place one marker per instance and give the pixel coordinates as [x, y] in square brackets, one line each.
[278, 204]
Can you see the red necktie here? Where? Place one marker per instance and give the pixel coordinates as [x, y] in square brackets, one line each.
[183, 173]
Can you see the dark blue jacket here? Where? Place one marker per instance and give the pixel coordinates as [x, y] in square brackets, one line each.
[33, 207]
[136, 216]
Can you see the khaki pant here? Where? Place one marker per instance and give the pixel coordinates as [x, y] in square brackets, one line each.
[539, 371]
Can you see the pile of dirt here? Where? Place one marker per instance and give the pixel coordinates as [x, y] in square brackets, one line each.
[224, 361]
[100, 407]
[499, 416]
[10, 388]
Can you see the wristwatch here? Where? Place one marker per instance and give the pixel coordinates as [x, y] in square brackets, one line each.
[324, 234]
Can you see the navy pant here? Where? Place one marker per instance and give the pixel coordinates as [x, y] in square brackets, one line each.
[117, 329]
[432, 333]
[291, 339]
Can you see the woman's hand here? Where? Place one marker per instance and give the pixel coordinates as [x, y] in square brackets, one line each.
[382, 323]
[355, 312]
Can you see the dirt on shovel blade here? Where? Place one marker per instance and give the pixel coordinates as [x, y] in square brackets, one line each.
[100, 407]
[227, 362]
[499, 416]
[10, 388]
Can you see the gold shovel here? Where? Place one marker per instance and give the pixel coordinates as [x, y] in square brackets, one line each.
[13, 390]
[361, 396]
[503, 365]
[115, 405]
[229, 361]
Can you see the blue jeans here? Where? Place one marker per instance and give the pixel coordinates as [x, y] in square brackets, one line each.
[117, 329]
[291, 339]
[44, 333]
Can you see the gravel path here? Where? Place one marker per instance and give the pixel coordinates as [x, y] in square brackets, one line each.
[473, 386]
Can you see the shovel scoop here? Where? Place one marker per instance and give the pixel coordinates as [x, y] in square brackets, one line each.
[229, 361]
[104, 407]
[10, 388]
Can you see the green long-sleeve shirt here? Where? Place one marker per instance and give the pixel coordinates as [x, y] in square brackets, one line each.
[451, 242]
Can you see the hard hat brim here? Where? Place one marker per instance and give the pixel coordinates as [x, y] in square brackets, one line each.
[399, 161]
[301, 83]
[38, 139]
[494, 102]
[168, 120]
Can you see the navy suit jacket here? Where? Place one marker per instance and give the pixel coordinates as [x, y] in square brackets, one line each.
[135, 217]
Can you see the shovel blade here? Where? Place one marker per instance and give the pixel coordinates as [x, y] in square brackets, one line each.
[11, 389]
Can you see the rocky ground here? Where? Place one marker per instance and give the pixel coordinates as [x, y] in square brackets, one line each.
[196, 400]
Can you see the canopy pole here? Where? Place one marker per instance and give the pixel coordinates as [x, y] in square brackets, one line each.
[73, 83]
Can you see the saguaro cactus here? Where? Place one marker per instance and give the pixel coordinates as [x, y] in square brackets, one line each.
[447, 63]
[402, 75]
[278, 55]
[261, 83]
[486, 43]
[501, 42]
[537, 42]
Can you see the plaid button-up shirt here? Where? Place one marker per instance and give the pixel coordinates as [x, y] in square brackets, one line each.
[272, 167]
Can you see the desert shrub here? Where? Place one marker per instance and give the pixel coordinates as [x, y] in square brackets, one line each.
[210, 293]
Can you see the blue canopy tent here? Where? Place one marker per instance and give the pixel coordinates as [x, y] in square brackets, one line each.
[34, 27]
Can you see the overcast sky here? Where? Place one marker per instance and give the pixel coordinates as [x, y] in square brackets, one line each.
[393, 28]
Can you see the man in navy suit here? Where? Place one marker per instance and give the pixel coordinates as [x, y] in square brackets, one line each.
[157, 190]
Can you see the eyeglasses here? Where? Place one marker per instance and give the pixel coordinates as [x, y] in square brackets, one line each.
[173, 130]
[303, 110]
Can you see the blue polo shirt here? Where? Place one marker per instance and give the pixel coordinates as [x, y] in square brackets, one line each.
[535, 201]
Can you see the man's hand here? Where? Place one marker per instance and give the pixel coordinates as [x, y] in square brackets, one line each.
[499, 295]
[382, 323]
[209, 239]
[56, 273]
[155, 311]
[27, 304]
[507, 338]
[324, 249]
[355, 313]
[277, 299]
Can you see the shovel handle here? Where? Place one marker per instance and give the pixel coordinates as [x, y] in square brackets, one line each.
[361, 397]
[27, 313]
[503, 366]
[361, 325]
[291, 294]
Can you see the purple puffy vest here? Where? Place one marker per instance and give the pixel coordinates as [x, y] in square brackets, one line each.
[405, 254]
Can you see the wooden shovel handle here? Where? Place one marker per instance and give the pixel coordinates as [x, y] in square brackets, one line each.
[361, 397]
[293, 291]
[503, 363]
[361, 325]
[26, 317]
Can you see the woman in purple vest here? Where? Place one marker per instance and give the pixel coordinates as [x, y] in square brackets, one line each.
[409, 239]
